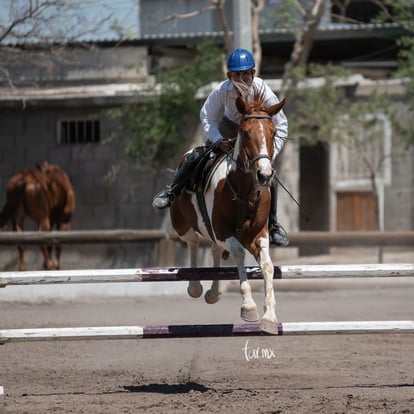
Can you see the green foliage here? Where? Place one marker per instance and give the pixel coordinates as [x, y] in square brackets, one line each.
[286, 14]
[318, 102]
[153, 131]
[402, 12]
[323, 110]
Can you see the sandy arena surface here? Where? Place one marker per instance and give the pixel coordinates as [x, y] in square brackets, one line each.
[313, 374]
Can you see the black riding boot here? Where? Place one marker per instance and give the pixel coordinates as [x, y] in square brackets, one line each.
[277, 233]
[164, 198]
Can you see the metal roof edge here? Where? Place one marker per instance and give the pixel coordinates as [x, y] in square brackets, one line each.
[326, 28]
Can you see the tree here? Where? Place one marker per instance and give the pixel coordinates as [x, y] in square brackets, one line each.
[155, 130]
[35, 27]
[402, 13]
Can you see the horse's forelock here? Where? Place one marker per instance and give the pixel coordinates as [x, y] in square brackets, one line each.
[256, 100]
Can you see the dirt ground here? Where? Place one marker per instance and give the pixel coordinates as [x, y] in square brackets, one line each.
[303, 374]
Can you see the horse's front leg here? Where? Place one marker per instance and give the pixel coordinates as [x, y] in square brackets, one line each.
[249, 309]
[269, 321]
[18, 227]
[213, 294]
[58, 247]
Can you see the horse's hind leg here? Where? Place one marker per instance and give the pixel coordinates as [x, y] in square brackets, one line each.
[249, 309]
[48, 262]
[58, 247]
[44, 225]
[58, 250]
[17, 224]
[22, 263]
[195, 288]
[213, 294]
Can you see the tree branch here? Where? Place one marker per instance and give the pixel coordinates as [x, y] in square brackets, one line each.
[257, 8]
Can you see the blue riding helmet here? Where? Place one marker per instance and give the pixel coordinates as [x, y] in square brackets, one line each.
[239, 60]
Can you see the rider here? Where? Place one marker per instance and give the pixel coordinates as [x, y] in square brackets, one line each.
[218, 132]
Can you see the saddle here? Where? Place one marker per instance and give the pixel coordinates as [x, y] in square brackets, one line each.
[203, 170]
[207, 158]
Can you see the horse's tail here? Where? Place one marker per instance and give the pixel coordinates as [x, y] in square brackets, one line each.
[13, 199]
[5, 215]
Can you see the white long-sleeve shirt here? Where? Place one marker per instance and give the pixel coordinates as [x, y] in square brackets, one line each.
[223, 99]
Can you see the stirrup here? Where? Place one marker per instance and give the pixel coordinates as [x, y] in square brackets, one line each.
[278, 235]
[163, 199]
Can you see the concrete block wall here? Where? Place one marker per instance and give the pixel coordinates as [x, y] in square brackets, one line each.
[399, 195]
[29, 137]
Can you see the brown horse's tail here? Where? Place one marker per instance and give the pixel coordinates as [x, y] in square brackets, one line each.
[5, 215]
[13, 200]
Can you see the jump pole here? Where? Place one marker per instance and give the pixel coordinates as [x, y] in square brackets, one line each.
[194, 331]
[171, 274]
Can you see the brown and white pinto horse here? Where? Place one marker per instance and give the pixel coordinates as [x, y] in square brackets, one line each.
[46, 195]
[237, 201]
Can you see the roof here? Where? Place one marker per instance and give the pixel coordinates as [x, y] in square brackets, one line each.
[332, 29]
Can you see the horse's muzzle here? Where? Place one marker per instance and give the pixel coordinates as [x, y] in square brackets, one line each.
[264, 178]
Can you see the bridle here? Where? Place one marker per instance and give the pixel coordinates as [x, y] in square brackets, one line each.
[247, 166]
[248, 163]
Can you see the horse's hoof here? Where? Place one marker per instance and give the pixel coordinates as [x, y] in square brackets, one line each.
[250, 315]
[195, 292]
[269, 327]
[211, 298]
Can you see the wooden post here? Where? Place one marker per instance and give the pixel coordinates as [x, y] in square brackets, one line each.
[166, 253]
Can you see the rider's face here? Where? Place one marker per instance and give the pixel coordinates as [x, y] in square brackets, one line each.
[245, 76]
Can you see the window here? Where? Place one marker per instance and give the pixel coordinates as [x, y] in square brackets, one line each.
[78, 131]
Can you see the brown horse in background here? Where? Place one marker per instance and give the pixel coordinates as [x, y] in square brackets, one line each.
[45, 194]
[236, 209]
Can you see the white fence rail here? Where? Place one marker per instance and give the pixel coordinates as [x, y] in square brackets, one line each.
[167, 274]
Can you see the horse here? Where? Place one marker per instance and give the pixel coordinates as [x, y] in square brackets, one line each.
[236, 206]
[46, 195]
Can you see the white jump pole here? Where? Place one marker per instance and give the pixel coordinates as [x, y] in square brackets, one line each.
[202, 273]
[191, 331]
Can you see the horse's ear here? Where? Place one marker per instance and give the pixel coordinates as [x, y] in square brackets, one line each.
[43, 166]
[241, 105]
[274, 109]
